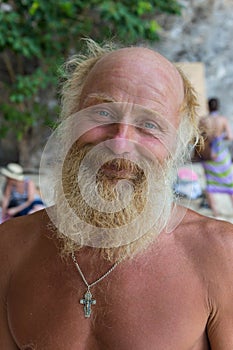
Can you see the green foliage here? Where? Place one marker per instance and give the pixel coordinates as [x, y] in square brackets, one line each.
[134, 20]
[37, 35]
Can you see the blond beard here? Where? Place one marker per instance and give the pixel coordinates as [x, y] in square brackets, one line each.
[79, 223]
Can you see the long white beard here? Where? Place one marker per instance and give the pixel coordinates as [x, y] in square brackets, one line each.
[119, 220]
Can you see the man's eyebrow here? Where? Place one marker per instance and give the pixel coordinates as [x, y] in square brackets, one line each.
[150, 114]
[155, 116]
[98, 98]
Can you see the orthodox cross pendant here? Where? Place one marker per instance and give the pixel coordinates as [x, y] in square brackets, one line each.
[87, 301]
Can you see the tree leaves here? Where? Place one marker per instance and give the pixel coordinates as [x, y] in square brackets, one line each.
[37, 35]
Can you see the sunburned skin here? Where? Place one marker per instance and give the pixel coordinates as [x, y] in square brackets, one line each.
[214, 127]
[175, 295]
[172, 289]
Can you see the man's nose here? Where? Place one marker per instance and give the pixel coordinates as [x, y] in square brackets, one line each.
[121, 139]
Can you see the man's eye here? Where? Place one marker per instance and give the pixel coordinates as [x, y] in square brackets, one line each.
[149, 125]
[104, 113]
[102, 116]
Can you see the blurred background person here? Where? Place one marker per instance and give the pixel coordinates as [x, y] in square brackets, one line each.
[218, 168]
[20, 195]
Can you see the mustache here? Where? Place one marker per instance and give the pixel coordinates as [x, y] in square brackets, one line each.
[121, 167]
[104, 160]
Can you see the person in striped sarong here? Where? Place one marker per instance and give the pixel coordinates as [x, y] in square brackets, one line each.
[218, 170]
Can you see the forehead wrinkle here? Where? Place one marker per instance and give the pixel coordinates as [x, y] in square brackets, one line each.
[98, 98]
[135, 81]
[158, 95]
[161, 90]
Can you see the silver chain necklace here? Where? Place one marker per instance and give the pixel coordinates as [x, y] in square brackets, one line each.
[87, 300]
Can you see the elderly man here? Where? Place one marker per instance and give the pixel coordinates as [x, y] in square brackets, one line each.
[115, 264]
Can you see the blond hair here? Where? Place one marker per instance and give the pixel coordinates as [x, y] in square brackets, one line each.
[189, 109]
[76, 71]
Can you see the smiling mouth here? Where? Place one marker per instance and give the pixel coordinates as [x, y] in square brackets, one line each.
[121, 169]
[113, 172]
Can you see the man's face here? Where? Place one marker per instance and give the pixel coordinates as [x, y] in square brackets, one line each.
[126, 129]
[115, 175]
[148, 92]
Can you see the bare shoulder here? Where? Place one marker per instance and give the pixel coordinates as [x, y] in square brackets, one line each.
[17, 236]
[209, 243]
[222, 118]
[22, 230]
[207, 126]
[20, 239]
[210, 232]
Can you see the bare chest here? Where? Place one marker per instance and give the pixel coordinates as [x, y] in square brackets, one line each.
[138, 307]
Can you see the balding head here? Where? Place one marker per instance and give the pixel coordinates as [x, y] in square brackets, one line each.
[136, 74]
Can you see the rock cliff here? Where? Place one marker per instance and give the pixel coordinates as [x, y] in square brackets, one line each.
[203, 33]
